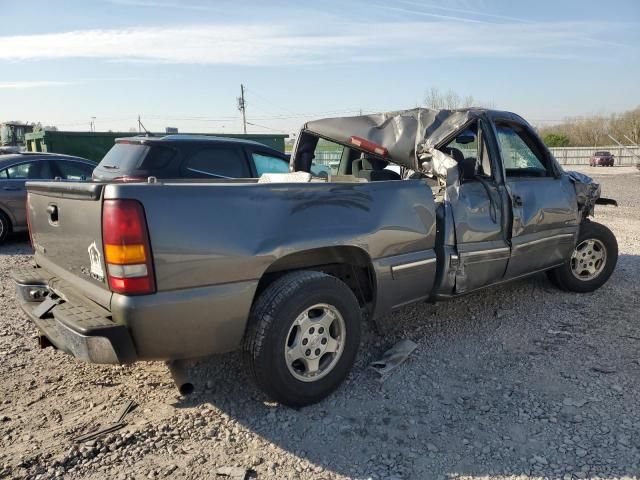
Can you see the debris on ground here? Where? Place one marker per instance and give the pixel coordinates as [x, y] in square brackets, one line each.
[233, 473]
[393, 358]
[116, 425]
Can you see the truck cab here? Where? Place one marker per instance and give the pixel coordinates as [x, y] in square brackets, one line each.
[504, 206]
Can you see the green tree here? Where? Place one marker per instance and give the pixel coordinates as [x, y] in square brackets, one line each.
[556, 140]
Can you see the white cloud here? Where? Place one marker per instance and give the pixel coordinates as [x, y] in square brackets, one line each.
[32, 84]
[272, 44]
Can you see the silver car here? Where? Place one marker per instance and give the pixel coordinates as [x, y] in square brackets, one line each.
[16, 169]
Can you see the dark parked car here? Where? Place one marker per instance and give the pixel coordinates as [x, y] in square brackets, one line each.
[188, 156]
[602, 158]
[16, 169]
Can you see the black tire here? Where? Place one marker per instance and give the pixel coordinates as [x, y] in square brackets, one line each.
[5, 227]
[270, 328]
[564, 278]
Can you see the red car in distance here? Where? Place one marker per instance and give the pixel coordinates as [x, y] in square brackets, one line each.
[602, 159]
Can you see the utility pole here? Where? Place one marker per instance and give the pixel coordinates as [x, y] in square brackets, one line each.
[242, 106]
[139, 125]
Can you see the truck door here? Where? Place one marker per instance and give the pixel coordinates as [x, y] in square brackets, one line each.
[476, 202]
[543, 204]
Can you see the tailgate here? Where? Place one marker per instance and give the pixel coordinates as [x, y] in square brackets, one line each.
[66, 227]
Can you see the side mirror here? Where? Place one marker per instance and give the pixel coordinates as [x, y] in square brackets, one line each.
[466, 137]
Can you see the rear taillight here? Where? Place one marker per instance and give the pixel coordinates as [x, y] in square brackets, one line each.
[127, 251]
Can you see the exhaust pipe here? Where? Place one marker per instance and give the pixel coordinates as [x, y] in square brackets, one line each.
[179, 373]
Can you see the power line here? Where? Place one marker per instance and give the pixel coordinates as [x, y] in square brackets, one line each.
[268, 128]
[270, 102]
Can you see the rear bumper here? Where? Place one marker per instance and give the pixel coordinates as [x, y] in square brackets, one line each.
[83, 330]
[180, 324]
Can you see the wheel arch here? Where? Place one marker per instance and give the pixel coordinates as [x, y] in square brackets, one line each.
[350, 264]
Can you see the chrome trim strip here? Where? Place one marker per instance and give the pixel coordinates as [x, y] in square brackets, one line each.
[405, 266]
[546, 239]
[486, 252]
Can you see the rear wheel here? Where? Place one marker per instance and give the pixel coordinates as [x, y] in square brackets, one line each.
[5, 227]
[303, 337]
[592, 262]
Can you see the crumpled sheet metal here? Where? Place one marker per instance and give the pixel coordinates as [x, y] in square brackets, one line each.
[406, 134]
[441, 165]
[587, 191]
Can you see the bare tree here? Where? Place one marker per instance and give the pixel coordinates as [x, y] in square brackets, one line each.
[627, 124]
[449, 100]
[593, 131]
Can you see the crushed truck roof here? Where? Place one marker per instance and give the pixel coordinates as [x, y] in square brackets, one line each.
[412, 138]
[405, 133]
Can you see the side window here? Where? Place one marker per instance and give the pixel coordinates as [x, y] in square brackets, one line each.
[3, 175]
[267, 164]
[73, 170]
[520, 154]
[217, 163]
[157, 158]
[326, 159]
[40, 170]
[469, 149]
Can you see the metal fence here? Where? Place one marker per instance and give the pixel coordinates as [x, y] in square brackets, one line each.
[327, 157]
[580, 155]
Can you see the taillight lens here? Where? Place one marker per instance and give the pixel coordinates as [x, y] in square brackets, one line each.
[127, 251]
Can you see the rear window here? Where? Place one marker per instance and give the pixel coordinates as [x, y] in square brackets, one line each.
[602, 154]
[124, 156]
[69, 170]
[128, 157]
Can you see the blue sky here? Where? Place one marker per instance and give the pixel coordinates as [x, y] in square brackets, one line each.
[180, 63]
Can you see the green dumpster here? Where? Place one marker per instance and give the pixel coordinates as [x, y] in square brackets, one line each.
[94, 145]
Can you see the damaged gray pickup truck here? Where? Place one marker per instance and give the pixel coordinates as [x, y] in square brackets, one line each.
[422, 205]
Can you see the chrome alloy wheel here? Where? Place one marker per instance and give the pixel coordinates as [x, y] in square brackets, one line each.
[588, 259]
[315, 342]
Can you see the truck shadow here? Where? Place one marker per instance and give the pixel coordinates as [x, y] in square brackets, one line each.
[521, 379]
[16, 243]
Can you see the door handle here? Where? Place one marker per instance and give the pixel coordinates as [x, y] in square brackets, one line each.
[12, 189]
[52, 210]
[517, 201]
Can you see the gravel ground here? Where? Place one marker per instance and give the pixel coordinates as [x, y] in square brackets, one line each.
[520, 381]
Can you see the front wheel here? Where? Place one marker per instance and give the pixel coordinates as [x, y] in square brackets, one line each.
[592, 262]
[302, 338]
